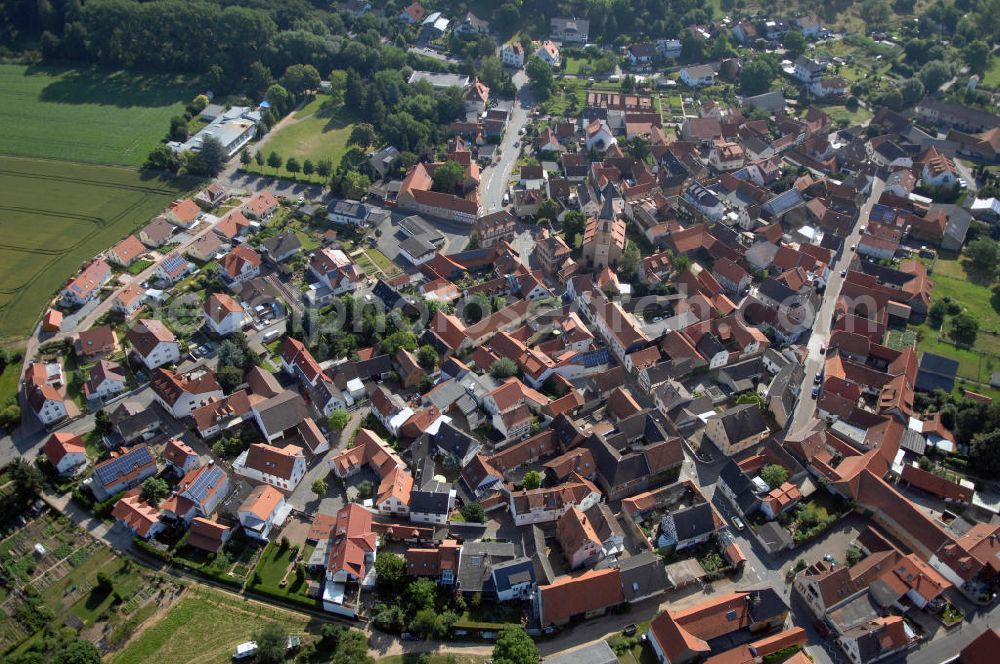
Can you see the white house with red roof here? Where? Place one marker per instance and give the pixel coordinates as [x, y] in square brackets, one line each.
[413, 14]
[350, 554]
[261, 207]
[261, 511]
[233, 226]
[48, 405]
[173, 268]
[106, 379]
[66, 452]
[126, 252]
[512, 54]
[548, 51]
[240, 265]
[223, 315]
[180, 395]
[128, 300]
[83, 287]
[139, 517]
[153, 343]
[197, 494]
[335, 270]
[184, 213]
[281, 467]
[180, 457]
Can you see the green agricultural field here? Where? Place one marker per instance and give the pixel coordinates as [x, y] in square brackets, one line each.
[203, 628]
[55, 215]
[313, 133]
[86, 114]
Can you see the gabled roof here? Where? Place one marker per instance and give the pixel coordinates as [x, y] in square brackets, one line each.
[262, 501]
[576, 595]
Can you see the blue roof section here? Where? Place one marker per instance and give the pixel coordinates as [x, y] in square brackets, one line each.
[593, 358]
[173, 262]
[206, 481]
[110, 472]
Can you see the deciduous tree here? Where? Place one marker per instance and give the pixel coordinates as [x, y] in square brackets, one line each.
[514, 646]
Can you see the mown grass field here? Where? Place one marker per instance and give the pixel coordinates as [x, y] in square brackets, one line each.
[55, 215]
[314, 133]
[204, 628]
[86, 114]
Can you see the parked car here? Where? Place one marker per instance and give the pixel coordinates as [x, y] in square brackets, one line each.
[630, 629]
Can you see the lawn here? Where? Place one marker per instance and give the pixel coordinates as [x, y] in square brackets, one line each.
[275, 565]
[383, 263]
[204, 627]
[8, 381]
[992, 77]
[972, 291]
[55, 215]
[314, 133]
[85, 113]
[840, 113]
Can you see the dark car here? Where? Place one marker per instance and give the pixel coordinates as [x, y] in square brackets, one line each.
[630, 629]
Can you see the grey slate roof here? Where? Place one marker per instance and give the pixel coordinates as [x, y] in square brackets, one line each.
[283, 411]
[280, 245]
[478, 558]
[743, 421]
[736, 481]
[533, 542]
[452, 440]
[596, 653]
[431, 499]
[643, 575]
[693, 521]
[512, 573]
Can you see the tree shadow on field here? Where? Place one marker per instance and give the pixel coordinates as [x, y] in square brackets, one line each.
[94, 85]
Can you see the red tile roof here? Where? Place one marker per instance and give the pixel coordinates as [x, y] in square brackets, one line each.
[574, 595]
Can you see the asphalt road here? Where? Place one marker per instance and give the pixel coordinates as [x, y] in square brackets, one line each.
[494, 179]
[821, 326]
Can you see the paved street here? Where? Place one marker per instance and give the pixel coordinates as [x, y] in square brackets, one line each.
[821, 325]
[494, 179]
[303, 498]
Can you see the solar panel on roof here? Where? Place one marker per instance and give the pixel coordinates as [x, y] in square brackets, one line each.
[204, 483]
[114, 469]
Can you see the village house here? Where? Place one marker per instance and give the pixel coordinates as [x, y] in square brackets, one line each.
[153, 343]
[281, 467]
[223, 315]
[66, 452]
[263, 509]
[126, 468]
[84, 287]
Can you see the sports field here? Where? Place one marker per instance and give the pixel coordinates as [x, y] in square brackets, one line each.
[86, 114]
[313, 133]
[55, 215]
[203, 628]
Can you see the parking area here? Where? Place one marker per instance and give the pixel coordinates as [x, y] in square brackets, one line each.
[389, 237]
[834, 542]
